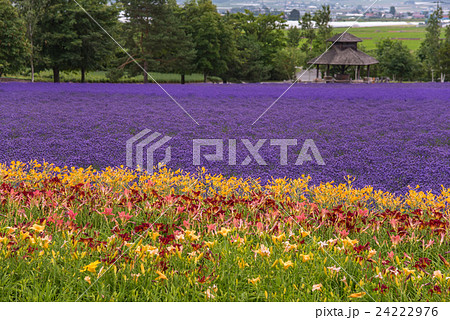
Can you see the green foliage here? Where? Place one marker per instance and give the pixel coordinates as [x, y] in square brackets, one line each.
[159, 42]
[316, 29]
[429, 49]
[324, 31]
[259, 39]
[285, 62]
[308, 32]
[31, 12]
[293, 37]
[213, 37]
[395, 59]
[444, 53]
[77, 42]
[12, 39]
[95, 47]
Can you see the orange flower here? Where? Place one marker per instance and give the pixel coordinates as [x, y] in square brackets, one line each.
[254, 281]
[357, 295]
[161, 276]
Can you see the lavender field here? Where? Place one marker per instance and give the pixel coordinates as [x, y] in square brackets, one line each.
[390, 136]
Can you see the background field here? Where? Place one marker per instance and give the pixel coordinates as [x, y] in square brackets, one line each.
[410, 35]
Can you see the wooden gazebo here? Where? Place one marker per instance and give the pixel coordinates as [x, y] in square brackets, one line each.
[344, 53]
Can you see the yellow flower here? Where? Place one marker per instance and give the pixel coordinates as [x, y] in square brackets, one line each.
[357, 295]
[286, 264]
[161, 276]
[317, 287]
[91, 267]
[305, 233]
[254, 281]
[288, 247]
[224, 231]
[349, 242]
[242, 264]
[88, 279]
[408, 271]
[279, 238]
[306, 257]
[24, 235]
[371, 253]
[37, 228]
[190, 234]
[210, 244]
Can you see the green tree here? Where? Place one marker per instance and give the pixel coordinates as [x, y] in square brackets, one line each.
[264, 34]
[59, 45]
[285, 62]
[395, 59]
[179, 51]
[31, 11]
[143, 19]
[293, 37]
[213, 37]
[12, 39]
[307, 31]
[322, 18]
[444, 54]
[429, 49]
[94, 46]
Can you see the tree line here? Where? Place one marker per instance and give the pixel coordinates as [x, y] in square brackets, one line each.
[162, 36]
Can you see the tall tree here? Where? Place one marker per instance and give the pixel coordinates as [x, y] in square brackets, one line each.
[95, 47]
[307, 31]
[429, 49]
[205, 25]
[293, 37]
[444, 54]
[395, 59]
[31, 11]
[142, 25]
[12, 39]
[178, 54]
[266, 30]
[59, 45]
[322, 18]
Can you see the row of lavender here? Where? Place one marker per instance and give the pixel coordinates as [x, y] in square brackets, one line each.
[389, 136]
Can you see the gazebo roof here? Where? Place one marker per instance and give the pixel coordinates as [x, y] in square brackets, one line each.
[345, 56]
[344, 37]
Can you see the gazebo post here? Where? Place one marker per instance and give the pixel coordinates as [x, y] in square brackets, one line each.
[317, 73]
[368, 72]
[358, 70]
[328, 70]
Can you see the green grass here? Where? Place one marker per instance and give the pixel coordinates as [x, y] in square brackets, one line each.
[412, 36]
[100, 76]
